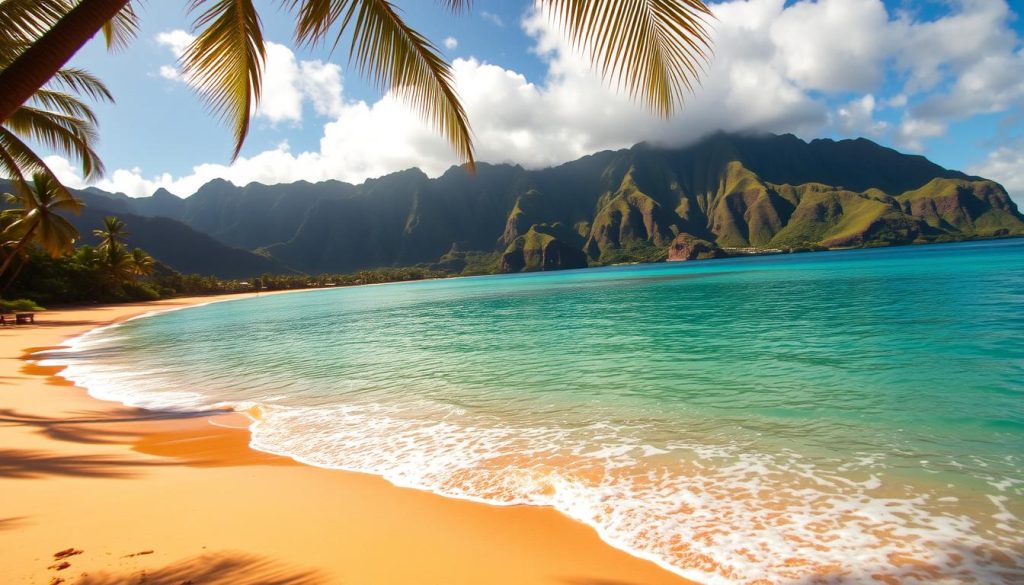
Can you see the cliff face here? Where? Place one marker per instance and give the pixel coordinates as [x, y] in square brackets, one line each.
[761, 192]
[543, 247]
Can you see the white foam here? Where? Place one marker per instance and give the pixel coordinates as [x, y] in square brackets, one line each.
[713, 511]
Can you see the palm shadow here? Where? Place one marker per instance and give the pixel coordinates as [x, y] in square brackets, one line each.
[223, 568]
[30, 464]
[11, 523]
[204, 446]
[87, 426]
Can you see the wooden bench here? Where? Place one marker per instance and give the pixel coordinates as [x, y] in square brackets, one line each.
[17, 318]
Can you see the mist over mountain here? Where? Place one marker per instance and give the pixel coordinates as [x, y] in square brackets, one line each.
[726, 193]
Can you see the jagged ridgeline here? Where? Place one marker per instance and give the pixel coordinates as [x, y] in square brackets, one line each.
[725, 194]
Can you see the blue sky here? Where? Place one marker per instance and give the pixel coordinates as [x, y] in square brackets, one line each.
[941, 78]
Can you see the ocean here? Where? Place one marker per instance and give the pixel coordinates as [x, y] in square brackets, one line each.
[826, 417]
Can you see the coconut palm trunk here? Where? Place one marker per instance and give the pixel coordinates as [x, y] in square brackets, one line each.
[14, 277]
[17, 248]
[44, 57]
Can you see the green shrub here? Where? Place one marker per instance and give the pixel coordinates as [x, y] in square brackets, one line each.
[20, 305]
[137, 291]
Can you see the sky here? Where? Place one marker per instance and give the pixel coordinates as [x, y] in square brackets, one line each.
[941, 78]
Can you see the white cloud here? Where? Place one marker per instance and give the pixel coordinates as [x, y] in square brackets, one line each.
[287, 82]
[1005, 165]
[168, 72]
[65, 171]
[281, 100]
[833, 45]
[176, 40]
[857, 118]
[492, 18]
[451, 43]
[913, 132]
[773, 68]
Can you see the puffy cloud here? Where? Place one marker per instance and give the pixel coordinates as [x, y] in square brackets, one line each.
[913, 132]
[857, 118]
[931, 52]
[176, 40]
[776, 68]
[833, 45]
[287, 82]
[1005, 165]
[451, 43]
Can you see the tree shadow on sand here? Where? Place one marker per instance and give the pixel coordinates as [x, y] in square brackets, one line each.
[30, 464]
[196, 445]
[88, 426]
[224, 568]
[11, 523]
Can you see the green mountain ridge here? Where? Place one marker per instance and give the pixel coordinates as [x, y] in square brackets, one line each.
[727, 191]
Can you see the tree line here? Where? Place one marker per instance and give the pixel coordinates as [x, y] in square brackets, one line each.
[42, 262]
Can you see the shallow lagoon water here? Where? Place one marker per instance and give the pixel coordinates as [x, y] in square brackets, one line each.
[833, 416]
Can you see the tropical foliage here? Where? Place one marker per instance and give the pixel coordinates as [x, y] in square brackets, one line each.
[33, 218]
[54, 115]
[654, 49]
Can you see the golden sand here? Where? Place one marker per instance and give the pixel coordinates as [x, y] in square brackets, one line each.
[134, 496]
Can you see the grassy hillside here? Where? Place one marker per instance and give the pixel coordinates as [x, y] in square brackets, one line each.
[733, 191]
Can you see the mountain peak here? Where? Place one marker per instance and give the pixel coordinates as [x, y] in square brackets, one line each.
[162, 193]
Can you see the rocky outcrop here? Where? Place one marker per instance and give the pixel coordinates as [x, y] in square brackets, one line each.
[543, 247]
[687, 247]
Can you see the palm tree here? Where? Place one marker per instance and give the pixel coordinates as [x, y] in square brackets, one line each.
[34, 218]
[142, 263]
[54, 115]
[117, 264]
[112, 234]
[655, 49]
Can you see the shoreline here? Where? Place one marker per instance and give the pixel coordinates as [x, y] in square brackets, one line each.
[173, 496]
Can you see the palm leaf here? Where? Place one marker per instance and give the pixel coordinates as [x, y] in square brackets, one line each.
[64, 103]
[395, 57]
[17, 159]
[81, 82]
[457, 6]
[655, 49]
[121, 30]
[26, 20]
[225, 62]
[65, 134]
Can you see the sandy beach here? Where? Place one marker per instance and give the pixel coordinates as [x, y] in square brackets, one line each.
[133, 496]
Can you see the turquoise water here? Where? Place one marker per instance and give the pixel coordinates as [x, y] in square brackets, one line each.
[845, 414]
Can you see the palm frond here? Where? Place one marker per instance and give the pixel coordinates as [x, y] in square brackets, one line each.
[81, 82]
[64, 103]
[655, 49]
[456, 6]
[17, 160]
[225, 62]
[121, 30]
[395, 57]
[26, 20]
[62, 133]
